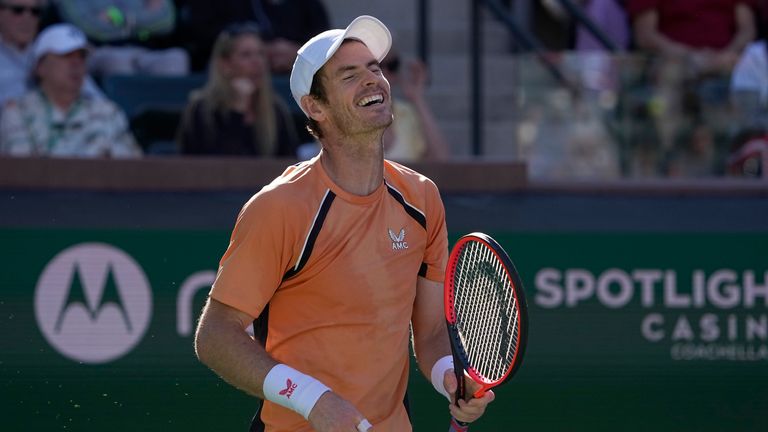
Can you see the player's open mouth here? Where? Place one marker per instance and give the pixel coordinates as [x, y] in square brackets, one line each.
[371, 100]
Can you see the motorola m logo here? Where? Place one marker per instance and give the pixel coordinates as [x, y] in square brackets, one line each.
[93, 303]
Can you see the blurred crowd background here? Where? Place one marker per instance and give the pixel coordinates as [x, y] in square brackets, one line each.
[641, 89]
[642, 127]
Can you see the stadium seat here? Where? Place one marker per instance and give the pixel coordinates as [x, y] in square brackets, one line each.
[282, 86]
[137, 93]
[154, 105]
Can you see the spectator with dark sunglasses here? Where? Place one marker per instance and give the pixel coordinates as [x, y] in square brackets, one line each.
[55, 118]
[19, 21]
[19, 25]
[16, 9]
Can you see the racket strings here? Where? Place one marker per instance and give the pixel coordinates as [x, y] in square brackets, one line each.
[485, 304]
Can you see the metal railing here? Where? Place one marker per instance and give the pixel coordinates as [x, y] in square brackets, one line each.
[527, 42]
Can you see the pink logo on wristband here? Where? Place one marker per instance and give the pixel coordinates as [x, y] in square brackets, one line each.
[289, 388]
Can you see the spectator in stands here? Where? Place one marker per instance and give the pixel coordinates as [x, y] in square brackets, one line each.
[695, 155]
[643, 152]
[56, 118]
[748, 155]
[592, 65]
[749, 81]
[589, 152]
[749, 98]
[708, 34]
[414, 134]
[129, 35]
[698, 44]
[19, 23]
[610, 17]
[285, 24]
[237, 112]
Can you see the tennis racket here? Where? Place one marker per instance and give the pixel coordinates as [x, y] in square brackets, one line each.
[486, 314]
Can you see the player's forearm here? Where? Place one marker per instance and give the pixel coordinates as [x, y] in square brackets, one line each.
[430, 336]
[430, 346]
[222, 344]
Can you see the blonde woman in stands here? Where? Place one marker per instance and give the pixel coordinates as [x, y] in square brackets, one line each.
[237, 112]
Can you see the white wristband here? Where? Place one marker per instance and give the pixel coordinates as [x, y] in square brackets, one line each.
[292, 389]
[438, 374]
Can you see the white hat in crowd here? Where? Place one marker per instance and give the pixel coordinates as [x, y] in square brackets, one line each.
[59, 39]
[316, 52]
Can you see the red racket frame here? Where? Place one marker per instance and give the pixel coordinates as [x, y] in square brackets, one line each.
[450, 315]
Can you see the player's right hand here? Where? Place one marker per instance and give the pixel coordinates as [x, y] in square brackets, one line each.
[471, 409]
[332, 413]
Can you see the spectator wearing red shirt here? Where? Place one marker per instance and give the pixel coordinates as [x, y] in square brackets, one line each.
[710, 34]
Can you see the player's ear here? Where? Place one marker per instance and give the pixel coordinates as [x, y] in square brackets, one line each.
[313, 107]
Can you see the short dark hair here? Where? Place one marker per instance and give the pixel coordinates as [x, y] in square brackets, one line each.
[316, 91]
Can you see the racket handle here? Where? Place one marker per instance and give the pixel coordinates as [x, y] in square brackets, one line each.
[460, 384]
[457, 426]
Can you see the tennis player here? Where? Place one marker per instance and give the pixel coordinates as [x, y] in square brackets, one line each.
[333, 261]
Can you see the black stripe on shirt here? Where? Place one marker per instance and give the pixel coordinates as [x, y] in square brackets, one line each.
[411, 210]
[309, 243]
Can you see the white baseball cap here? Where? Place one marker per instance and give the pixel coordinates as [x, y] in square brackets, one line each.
[316, 52]
[59, 39]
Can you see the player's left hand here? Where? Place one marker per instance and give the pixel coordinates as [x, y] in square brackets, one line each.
[474, 408]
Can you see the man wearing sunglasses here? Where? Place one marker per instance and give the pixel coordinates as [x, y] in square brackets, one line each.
[19, 25]
[19, 20]
[55, 118]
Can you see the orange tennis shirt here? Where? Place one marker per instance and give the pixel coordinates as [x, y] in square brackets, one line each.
[338, 275]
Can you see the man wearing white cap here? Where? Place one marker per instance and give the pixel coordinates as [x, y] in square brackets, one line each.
[334, 261]
[19, 21]
[56, 118]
